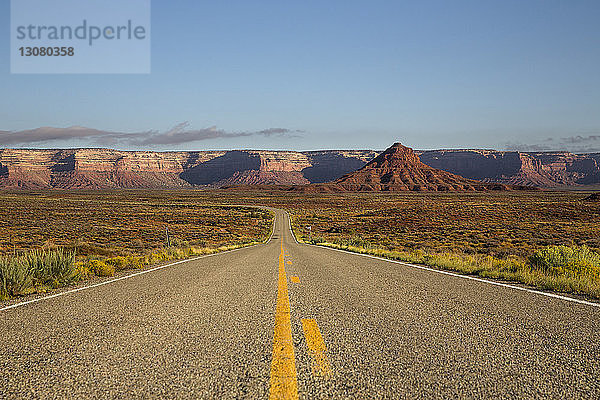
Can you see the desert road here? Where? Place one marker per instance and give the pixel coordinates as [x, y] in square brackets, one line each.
[287, 320]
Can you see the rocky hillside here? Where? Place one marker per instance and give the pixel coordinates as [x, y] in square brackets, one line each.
[104, 168]
[543, 169]
[399, 169]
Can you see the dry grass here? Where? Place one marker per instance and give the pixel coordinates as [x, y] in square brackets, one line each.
[120, 223]
[548, 240]
[52, 239]
[487, 234]
[37, 270]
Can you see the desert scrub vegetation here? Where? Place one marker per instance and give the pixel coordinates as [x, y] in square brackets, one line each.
[54, 238]
[565, 261]
[37, 270]
[40, 270]
[557, 268]
[123, 222]
[496, 224]
[105, 267]
[547, 239]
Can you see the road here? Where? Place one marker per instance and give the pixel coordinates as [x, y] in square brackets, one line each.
[297, 321]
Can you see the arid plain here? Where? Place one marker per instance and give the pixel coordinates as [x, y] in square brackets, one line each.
[493, 234]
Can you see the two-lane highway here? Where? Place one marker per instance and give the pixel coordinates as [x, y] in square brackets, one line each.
[284, 320]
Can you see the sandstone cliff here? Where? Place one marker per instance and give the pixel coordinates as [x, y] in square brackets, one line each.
[542, 169]
[105, 168]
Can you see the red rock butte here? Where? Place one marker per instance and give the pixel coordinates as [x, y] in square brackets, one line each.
[399, 169]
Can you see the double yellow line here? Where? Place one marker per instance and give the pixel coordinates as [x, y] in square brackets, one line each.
[284, 381]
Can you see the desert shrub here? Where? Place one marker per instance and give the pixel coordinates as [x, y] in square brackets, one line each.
[559, 268]
[14, 277]
[352, 241]
[317, 240]
[177, 242]
[118, 263]
[101, 268]
[135, 262]
[125, 262]
[258, 214]
[56, 267]
[83, 269]
[38, 267]
[61, 264]
[571, 261]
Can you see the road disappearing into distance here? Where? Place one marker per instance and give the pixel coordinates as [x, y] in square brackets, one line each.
[288, 320]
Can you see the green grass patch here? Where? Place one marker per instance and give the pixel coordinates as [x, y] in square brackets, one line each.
[37, 269]
[567, 261]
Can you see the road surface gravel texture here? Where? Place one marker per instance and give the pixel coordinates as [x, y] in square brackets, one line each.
[206, 329]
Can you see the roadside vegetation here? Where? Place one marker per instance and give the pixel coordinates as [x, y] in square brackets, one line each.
[576, 274]
[544, 239]
[56, 239]
[42, 269]
[547, 240]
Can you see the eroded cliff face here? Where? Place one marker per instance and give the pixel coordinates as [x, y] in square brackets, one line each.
[91, 168]
[106, 168]
[327, 166]
[542, 169]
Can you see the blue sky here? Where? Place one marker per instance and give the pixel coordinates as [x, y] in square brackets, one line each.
[338, 74]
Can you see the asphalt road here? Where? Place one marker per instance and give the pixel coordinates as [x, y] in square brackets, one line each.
[219, 327]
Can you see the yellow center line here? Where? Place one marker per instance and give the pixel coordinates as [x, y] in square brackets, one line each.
[316, 348]
[284, 383]
[295, 279]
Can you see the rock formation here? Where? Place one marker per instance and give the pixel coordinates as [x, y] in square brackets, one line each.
[542, 169]
[399, 169]
[105, 168]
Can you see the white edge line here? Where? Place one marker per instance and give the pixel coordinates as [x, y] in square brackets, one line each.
[506, 285]
[472, 278]
[23, 303]
[291, 230]
[272, 231]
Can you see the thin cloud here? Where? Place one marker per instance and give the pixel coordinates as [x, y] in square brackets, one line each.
[581, 139]
[49, 134]
[179, 134]
[280, 132]
[527, 147]
[573, 144]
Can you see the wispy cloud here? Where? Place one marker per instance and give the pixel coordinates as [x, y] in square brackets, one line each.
[581, 139]
[575, 144]
[179, 134]
[527, 147]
